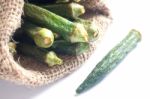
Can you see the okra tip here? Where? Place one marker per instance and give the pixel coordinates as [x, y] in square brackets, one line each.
[44, 38]
[80, 89]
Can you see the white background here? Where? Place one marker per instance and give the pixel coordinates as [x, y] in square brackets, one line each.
[130, 80]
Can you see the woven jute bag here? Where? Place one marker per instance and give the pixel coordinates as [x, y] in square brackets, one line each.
[27, 71]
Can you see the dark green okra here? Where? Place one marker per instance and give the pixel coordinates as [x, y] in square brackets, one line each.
[67, 10]
[42, 55]
[110, 61]
[67, 48]
[72, 32]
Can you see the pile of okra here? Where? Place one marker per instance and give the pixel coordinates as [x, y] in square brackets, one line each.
[51, 28]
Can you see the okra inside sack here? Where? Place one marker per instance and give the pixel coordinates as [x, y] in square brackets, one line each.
[47, 41]
[52, 28]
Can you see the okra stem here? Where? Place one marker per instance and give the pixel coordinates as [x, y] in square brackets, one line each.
[67, 10]
[48, 57]
[90, 27]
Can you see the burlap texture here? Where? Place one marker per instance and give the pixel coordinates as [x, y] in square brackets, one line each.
[27, 71]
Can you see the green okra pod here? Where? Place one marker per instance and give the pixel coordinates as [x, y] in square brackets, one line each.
[42, 55]
[67, 10]
[72, 32]
[67, 48]
[42, 37]
[110, 61]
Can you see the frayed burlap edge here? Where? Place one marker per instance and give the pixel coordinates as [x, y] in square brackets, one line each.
[27, 71]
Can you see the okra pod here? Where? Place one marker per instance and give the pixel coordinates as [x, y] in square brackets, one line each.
[67, 10]
[67, 48]
[42, 37]
[42, 55]
[110, 61]
[72, 32]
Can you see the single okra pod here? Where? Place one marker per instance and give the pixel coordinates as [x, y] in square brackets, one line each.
[67, 48]
[42, 55]
[110, 61]
[67, 10]
[72, 32]
[42, 37]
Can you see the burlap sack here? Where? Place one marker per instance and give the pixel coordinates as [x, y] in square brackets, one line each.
[27, 71]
